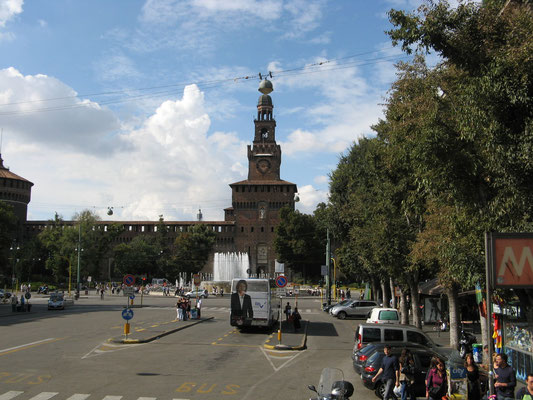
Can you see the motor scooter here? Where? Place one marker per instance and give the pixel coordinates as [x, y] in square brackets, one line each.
[332, 386]
[465, 343]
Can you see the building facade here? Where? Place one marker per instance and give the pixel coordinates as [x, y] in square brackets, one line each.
[249, 223]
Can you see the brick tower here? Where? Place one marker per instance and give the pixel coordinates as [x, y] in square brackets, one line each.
[256, 201]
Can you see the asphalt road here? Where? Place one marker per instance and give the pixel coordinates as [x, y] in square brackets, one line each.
[66, 354]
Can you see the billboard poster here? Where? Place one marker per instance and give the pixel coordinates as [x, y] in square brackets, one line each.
[512, 263]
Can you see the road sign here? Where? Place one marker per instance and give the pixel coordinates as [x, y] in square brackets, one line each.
[281, 281]
[127, 314]
[196, 279]
[129, 290]
[128, 280]
[27, 295]
[132, 296]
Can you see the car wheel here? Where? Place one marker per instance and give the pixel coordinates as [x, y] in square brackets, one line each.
[380, 389]
[341, 315]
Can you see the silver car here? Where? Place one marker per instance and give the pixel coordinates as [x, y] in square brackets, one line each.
[353, 308]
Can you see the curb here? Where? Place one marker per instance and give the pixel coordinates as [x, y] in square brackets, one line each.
[152, 338]
[281, 347]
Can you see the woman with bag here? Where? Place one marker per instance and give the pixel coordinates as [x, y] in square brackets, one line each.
[296, 317]
[407, 375]
[472, 374]
[437, 383]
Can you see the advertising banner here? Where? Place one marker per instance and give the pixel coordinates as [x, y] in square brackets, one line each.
[512, 264]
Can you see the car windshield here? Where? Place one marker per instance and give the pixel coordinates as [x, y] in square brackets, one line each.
[388, 315]
[56, 297]
[344, 302]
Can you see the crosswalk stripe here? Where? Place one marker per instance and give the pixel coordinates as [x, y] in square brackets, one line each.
[147, 398]
[78, 396]
[112, 398]
[44, 396]
[10, 395]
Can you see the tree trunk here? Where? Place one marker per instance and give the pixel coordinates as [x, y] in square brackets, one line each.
[393, 293]
[415, 308]
[375, 289]
[404, 310]
[452, 294]
[385, 293]
[484, 337]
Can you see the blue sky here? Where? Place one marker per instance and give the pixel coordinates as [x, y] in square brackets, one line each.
[143, 106]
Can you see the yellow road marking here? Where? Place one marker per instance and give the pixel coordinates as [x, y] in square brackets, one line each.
[235, 345]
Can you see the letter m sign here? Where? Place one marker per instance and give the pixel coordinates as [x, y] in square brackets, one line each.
[512, 260]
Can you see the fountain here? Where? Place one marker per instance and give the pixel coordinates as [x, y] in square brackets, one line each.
[227, 266]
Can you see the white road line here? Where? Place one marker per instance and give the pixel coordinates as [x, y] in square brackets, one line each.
[27, 344]
[147, 398]
[9, 395]
[308, 310]
[44, 396]
[112, 398]
[78, 396]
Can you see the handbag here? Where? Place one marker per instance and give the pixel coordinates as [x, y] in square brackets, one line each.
[435, 391]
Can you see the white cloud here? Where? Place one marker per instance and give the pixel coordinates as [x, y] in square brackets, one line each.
[116, 66]
[321, 179]
[309, 198]
[67, 122]
[169, 165]
[8, 9]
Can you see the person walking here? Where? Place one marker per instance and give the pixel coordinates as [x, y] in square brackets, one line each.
[526, 393]
[505, 378]
[198, 308]
[390, 369]
[296, 317]
[437, 383]
[472, 375]
[287, 311]
[407, 375]
[14, 302]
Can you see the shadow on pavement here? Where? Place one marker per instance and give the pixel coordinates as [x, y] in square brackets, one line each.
[322, 329]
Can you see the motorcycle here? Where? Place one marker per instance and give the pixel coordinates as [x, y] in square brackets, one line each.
[465, 343]
[332, 386]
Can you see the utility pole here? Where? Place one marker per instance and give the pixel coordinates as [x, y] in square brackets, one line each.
[79, 256]
[328, 266]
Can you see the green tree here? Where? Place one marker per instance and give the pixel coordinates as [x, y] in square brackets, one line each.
[300, 243]
[139, 257]
[191, 250]
[8, 225]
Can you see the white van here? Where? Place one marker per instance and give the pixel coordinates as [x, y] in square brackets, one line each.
[384, 316]
[384, 333]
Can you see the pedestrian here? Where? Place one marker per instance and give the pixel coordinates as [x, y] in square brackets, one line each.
[437, 383]
[472, 375]
[198, 308]
[179, 311]
[407, 375]
[183, 306]
[221, 292]
[14, 302]
[526, 393]
[505, 378]
[296, 317]
[390, 369]
[348, 293]
[101, 293]
[287, 311]
[22, 303]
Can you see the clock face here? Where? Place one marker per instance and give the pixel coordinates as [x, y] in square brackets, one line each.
[264, 134]
[263, 165]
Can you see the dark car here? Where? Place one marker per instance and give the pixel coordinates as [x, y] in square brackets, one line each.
[422, 357]
[361, 356]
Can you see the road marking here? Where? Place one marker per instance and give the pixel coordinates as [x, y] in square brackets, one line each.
[147, 398]
[10, 395]
[44, 396]
[290, 358]
[78, 396]
[112, 398]
[27, 346]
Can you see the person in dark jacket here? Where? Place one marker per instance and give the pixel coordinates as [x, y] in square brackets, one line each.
[526, 393]
[241, 304]
[296, 317]
[390, 368]
[472, 375]
[505, 379]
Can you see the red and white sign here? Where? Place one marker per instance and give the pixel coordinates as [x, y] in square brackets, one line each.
[512, 264]
[128, 280]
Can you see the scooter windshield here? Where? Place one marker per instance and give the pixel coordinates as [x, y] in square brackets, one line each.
[328, 378]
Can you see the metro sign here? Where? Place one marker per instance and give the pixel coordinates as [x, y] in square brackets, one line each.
[512, 263]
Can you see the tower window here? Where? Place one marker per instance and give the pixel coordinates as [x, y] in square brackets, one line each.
[272, 229]
[262, 229]
[242, 229]
[252, 229]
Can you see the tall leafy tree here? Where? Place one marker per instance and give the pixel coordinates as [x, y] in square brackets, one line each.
[191, 250]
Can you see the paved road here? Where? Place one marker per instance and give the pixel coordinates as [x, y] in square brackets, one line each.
[67, 354]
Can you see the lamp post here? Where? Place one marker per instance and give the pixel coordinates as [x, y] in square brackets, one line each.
[79, 249]
[13, 278]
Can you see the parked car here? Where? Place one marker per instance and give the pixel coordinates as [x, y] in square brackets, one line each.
[353, 308]
[202, 293]
[384, 316]
[56, 301]
[4, 294]
[360, 357]
[422, 358]
[384, 333]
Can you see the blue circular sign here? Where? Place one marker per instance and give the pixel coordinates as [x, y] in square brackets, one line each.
[129, 280]
[132, 296]
[281, 281]
[127, 314]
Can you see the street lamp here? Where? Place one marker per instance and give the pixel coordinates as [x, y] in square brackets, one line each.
[13, 279]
